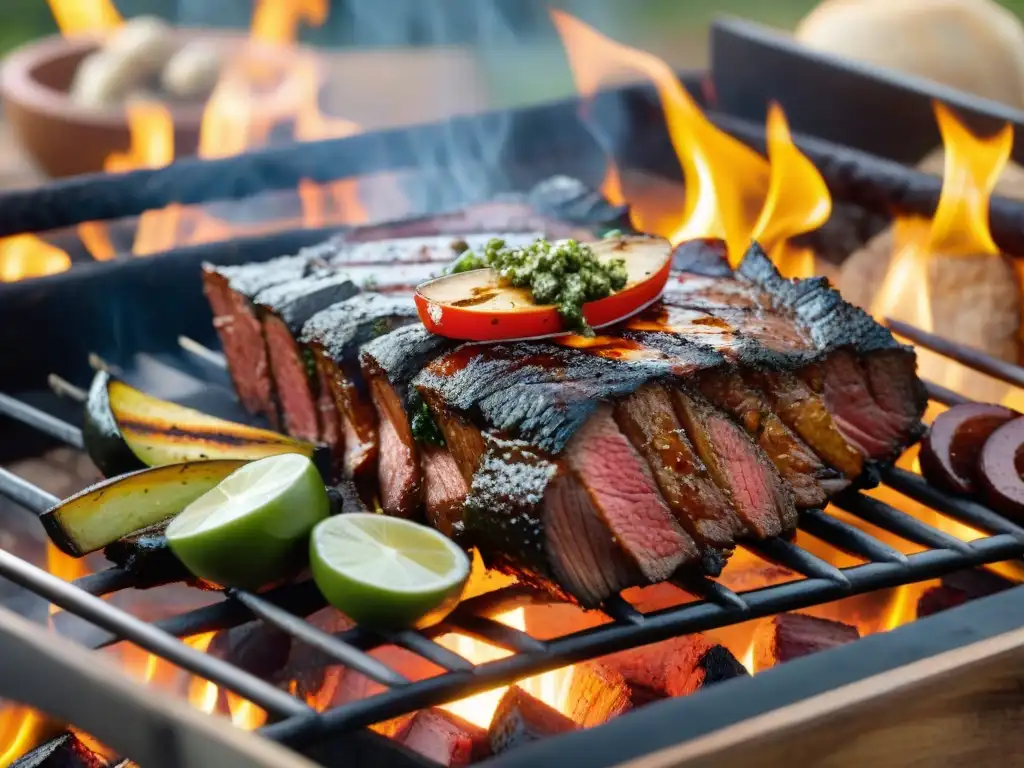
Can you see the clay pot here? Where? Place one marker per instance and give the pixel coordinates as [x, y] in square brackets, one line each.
[64, 138]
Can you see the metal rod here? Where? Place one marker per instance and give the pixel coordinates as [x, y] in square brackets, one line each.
[63, 388]
[496, 633]
[969, 356]
[106, 582]
[204, 353]
[41, 421]
[964, 510]
[123, 624]
[620, 610]
[790, 556]
[710, 590]
[429, 650]
[317, 638]
[847, 538]
[896, 521]
[31, 497]
[940, 394]
[598, 641]
[98, 364]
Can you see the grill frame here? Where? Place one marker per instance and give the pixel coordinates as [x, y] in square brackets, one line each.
[716, 606]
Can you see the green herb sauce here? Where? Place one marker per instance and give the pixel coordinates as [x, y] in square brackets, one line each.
[424, 428]
[566, 274]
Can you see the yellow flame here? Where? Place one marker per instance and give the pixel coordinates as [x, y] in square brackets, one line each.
[798, 200]
[972, 168]
[26, 255]
[75, 17]
[275, 22]
[725, 179]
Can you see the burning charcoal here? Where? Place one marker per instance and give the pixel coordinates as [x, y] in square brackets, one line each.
[65, 751]
[597, 694]
[522, 719]
[676, 667]
[792, 635]
[256, 647]
[444, 738]
[939, 599]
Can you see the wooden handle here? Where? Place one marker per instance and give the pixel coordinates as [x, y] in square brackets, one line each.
[44, 671]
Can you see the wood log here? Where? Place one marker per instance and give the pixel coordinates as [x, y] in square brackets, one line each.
[597, 694]
[522, 719]
[444, 738]
[938, 599]
[792, 635]
[64, 751]
[959, 588]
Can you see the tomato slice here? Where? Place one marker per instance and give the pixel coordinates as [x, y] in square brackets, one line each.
[474, 306]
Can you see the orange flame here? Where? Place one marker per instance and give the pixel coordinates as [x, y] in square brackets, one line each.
[23, 256]
[550, 687]
[725, 179]
[21, 729]
[798, 200]
[972, 167]
[76, 17]
[274, 22]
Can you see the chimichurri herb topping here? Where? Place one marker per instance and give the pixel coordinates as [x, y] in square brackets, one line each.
[566, 274]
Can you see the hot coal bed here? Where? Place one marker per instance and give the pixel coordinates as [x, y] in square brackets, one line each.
[125, 309]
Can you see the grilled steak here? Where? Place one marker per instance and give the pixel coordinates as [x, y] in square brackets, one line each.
[389, 363]
[333, 338]
[588, 466]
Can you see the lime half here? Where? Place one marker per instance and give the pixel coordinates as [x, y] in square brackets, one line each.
[251, 528]
[387, 572]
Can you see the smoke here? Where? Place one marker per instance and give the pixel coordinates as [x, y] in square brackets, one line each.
[401, 62]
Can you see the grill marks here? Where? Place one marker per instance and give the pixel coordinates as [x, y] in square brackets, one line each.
[713, 415]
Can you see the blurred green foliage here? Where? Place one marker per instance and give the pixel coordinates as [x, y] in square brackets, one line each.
[23, 20]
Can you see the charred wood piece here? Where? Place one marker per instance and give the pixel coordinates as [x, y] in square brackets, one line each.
[444, 738]
[789, 636]
[64, 751]
[522, 719]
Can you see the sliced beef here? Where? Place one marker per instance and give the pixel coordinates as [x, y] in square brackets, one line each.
[285, 309]
[738, 466]
[463, 438]
[878, 424]
[293, 381]
[444, 489]
[334, 336]
[529, 517]
[647, 418]
[626, 497]
[414, 252]
[797, 464]
[389, 363]
[804, 411]
[230, 291]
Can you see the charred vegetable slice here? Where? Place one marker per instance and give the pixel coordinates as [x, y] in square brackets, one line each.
[103, 513]
[999, 469]
[126, 429]
[950, 450]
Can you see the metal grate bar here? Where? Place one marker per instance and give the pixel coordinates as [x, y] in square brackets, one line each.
[429, 650]
[896, 521]
[203, 353]
[964, 510]
[106, 582]
[848, 538]
[969, 356]
[619, 609]
[41, 420]
[940, 394]
[713, 591]
[23, 492]
[317, 638]
[790, 556]
[147, 636]
[495, 633]
[598, 641]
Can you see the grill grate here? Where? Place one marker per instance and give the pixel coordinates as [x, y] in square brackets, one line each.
[283, 607]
